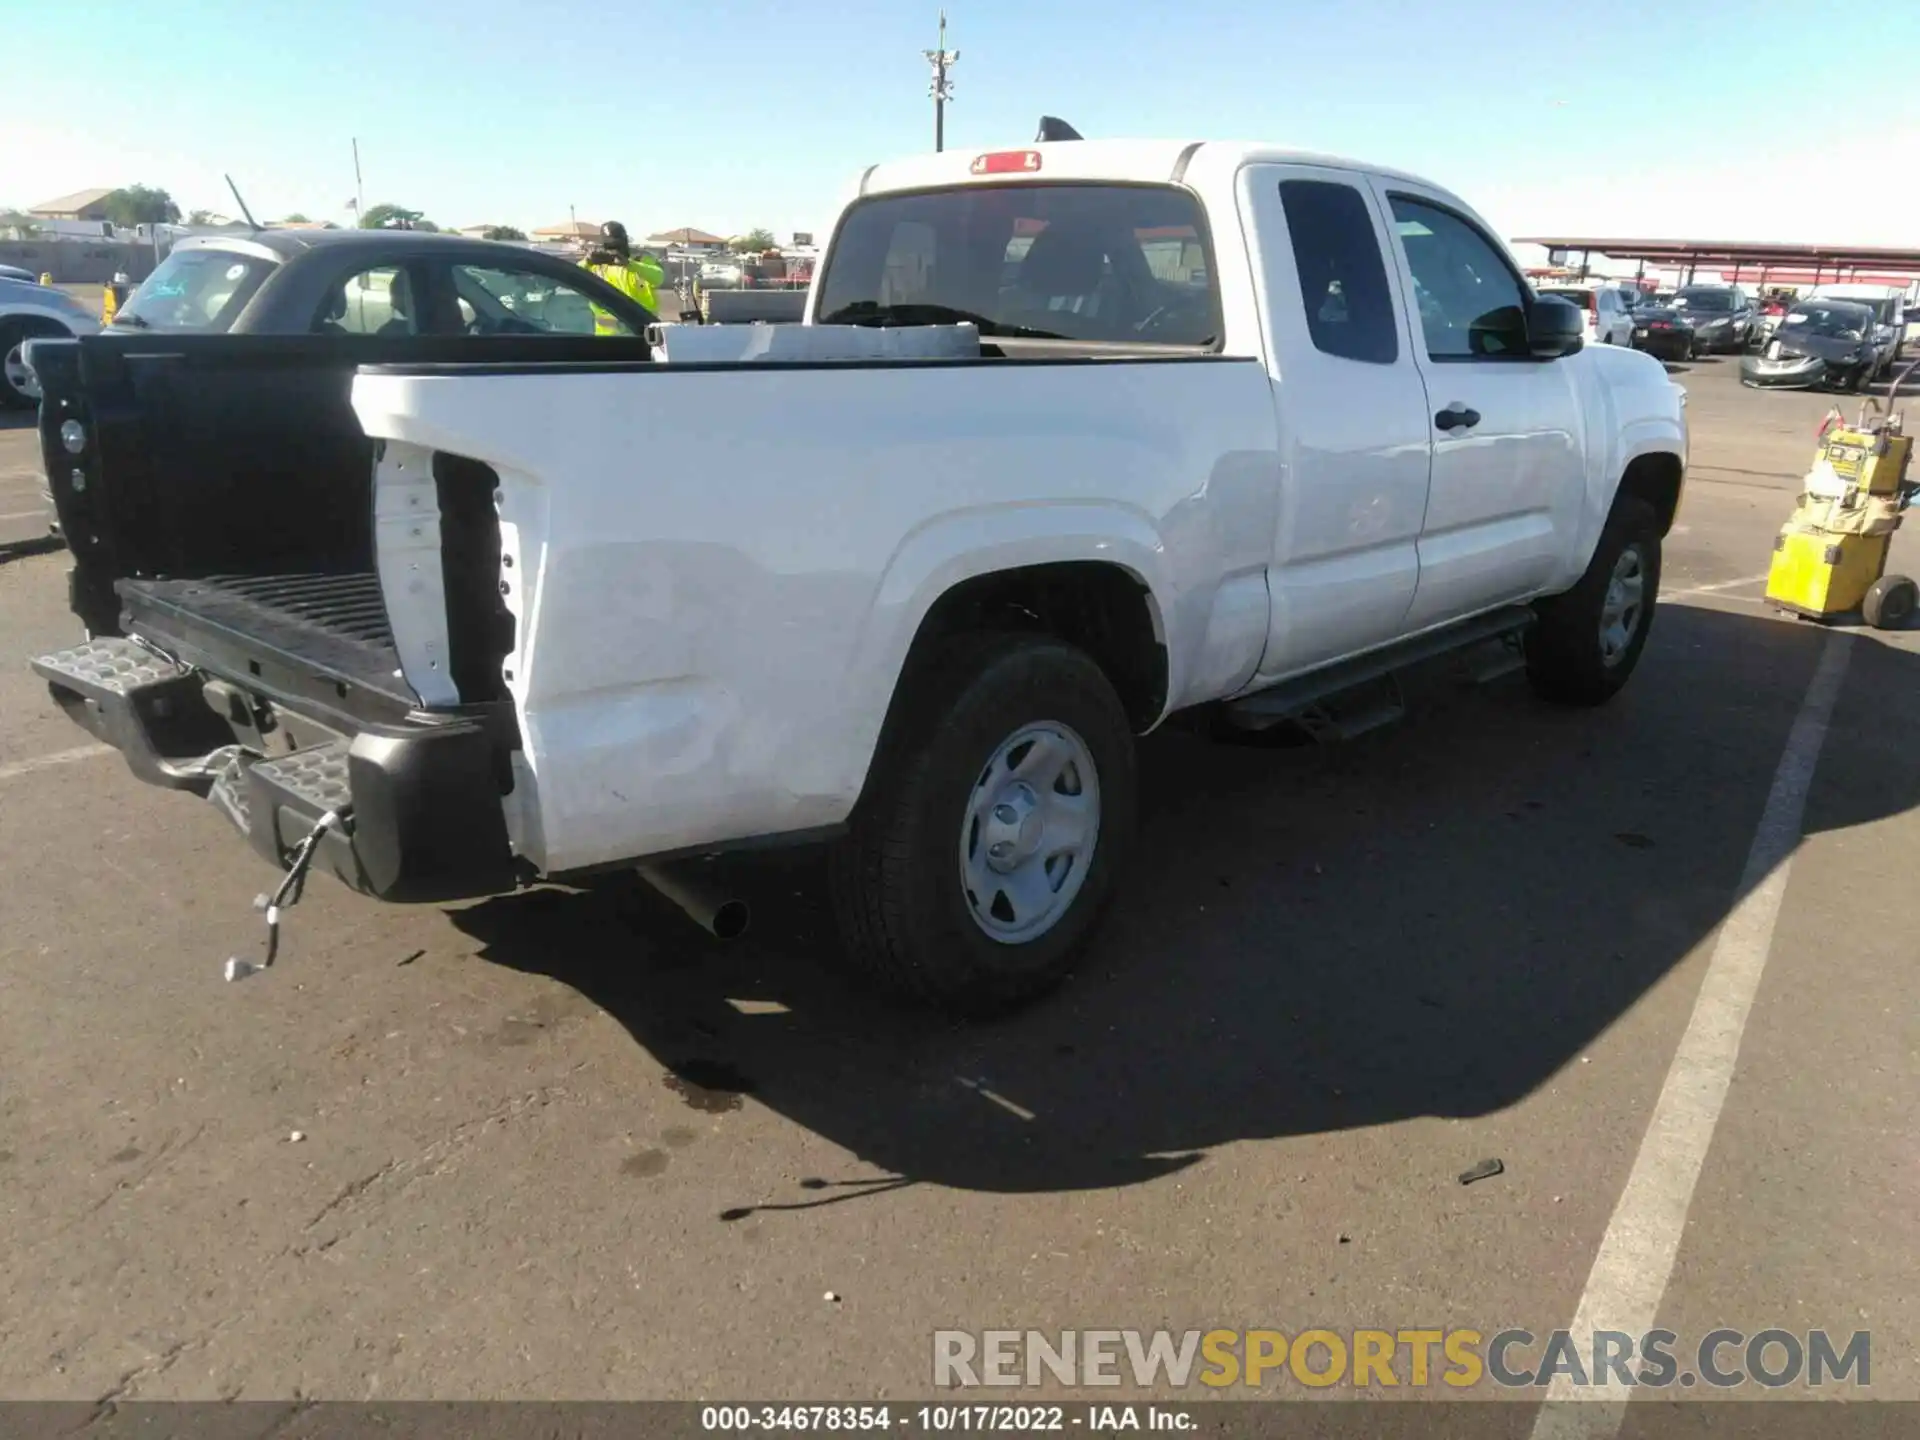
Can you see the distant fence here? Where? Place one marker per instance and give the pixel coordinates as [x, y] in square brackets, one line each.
[80, 262]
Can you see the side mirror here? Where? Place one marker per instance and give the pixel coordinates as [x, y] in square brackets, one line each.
[1555, 327]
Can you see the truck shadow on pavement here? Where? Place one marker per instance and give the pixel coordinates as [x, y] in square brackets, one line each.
[1429, 921]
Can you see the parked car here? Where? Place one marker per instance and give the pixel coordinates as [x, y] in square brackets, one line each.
[390, 283]
[1890, 315]
[14, 272]
[370, 282]
[917, 612]
[1608, 308]
[1821, 343]
[29, 309]
[1662, 330]
[1723, 316]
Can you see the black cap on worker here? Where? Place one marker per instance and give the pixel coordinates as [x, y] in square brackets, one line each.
[613, 235]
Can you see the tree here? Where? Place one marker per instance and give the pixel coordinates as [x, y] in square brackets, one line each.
[140, 205]
[754, 241]
[503, 232]
[200, 217]
[296, 218]
[387, 216]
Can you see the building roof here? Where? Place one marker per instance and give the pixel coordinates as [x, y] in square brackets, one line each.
[72, 204]
[570, 230]
[687, 235]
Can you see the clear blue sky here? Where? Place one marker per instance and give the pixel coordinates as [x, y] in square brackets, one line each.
[1632, 118]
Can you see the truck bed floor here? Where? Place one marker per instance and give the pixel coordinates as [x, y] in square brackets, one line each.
[334, 625]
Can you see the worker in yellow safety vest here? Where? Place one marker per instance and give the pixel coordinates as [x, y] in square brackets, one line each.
[634, 276]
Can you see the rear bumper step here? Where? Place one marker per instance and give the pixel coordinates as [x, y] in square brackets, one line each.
[427, 822]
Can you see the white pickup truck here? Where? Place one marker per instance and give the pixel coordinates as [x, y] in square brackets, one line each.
[1242, 429]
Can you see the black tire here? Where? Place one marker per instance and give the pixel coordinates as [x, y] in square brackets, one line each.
[12, 333]
[1890, 602]
[904, 914]
[1567, 661]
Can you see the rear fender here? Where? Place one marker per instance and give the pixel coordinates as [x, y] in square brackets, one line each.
[965, 545]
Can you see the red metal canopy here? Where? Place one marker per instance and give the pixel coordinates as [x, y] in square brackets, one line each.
[1817, 262]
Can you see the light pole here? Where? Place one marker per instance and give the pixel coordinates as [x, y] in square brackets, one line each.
[942, 60]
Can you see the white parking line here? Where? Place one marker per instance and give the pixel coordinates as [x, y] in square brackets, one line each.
[1717, 586]
[1635, 1260]
[47, 762]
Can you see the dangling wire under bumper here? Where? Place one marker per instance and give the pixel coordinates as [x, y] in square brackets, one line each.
[287, 894]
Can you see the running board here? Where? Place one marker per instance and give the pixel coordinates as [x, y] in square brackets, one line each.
[1300, 697]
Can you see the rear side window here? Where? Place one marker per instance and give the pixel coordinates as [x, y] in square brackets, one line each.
[1093, 263]
[1343, 280]
[374, 302]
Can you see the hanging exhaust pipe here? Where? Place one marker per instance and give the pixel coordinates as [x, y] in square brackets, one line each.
[723, 916]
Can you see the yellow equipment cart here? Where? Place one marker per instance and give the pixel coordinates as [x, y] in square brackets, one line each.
[1830, 558]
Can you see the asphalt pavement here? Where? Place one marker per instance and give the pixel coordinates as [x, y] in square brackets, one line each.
[564, 1144]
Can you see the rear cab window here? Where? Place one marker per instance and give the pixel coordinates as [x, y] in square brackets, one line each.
[1091, 264]
[195, 290]
[1343, 280]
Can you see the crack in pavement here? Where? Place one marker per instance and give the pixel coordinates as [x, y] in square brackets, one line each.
[430, 1162]
[169, 1150]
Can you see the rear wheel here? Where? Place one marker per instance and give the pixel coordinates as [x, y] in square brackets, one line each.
[1890, 602]
[1587, 641]
[1000, 810]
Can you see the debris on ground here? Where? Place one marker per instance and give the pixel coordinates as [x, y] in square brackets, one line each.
[1484, 1170]
[296, 1137]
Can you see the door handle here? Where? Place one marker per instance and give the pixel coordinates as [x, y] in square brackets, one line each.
[1457, 417]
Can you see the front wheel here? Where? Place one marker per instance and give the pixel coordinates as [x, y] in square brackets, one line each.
[17, 388]
[999, 812]
[1586, 642]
